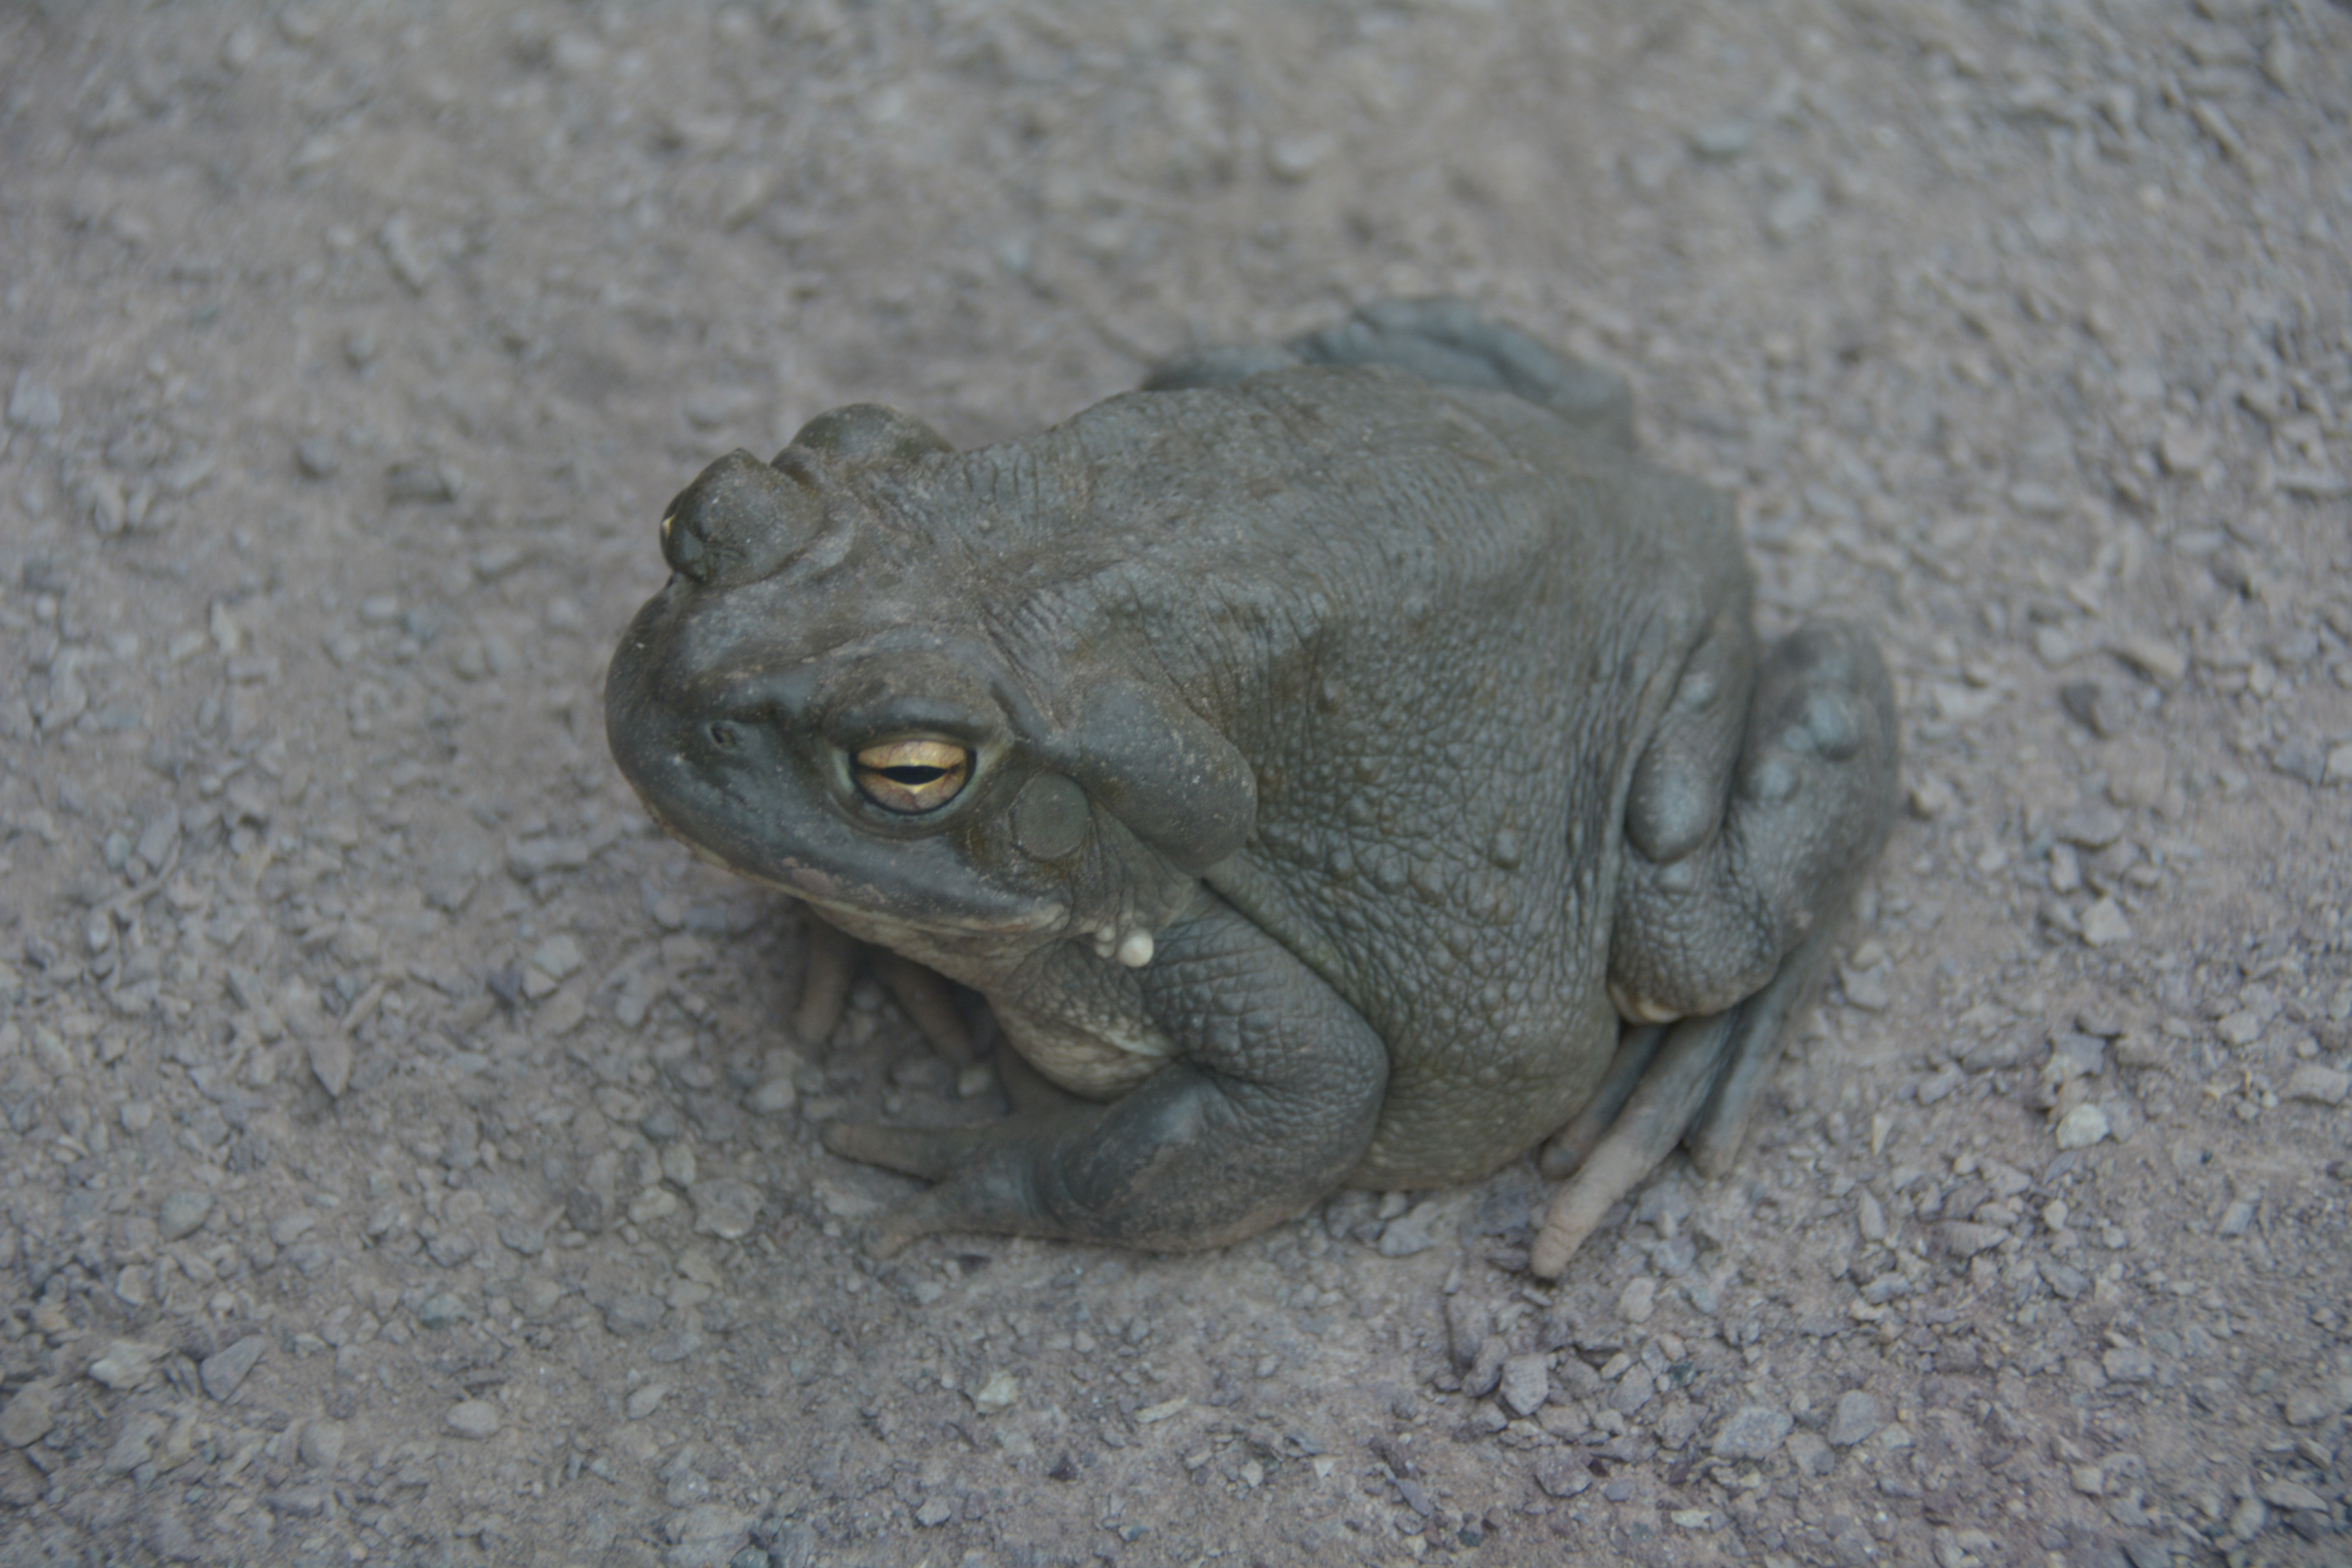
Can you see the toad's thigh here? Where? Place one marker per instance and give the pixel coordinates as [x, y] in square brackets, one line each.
[1802, 814]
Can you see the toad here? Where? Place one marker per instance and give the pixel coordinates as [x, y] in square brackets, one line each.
[1339, 763]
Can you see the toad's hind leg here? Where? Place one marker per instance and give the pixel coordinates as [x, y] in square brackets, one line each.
[1725, 942]
[1697, 1090]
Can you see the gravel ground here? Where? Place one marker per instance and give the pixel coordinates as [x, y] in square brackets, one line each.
[404, 1160]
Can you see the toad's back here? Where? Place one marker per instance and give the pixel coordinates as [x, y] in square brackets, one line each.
[1439, 623]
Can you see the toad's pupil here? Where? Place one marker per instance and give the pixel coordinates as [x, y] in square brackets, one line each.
[913, 775]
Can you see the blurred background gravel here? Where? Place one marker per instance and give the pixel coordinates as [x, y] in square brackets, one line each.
[404, 1156]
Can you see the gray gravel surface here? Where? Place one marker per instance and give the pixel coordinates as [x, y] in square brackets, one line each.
[405, 1158]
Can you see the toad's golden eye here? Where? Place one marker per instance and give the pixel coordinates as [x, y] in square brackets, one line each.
[912, 777]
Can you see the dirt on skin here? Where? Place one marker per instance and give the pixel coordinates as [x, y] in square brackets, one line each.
[405, 1160]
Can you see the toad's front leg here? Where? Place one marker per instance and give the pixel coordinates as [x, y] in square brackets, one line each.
[1269, 1101]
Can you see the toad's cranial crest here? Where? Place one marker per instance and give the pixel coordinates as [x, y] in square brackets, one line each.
[1339, 763]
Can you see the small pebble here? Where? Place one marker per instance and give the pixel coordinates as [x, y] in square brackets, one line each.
[2152, 659]
[1793, 212]
[1563, 1473]
[644, 1402]
[1294, 157]
[420, 482]
[1725, 138]
[1966, 1240]
[2063, 1279]
[183, 1213]
[1931, 797]
[587, 1210]
[559, 957]
[633, 1313]
[127, 1364]
[28, 1415]
[473, 1418]
[442, 1309]
[2310, 1405]
[1633, 1390]
[1753, 1432]
[134, 1445]
[997, 1394]
[2094, 707]
[1855, 1419]
[661, 1121]
[703, 1525]
[1638, 1300]
[33, 405]
[2320, 1085]
[2184, 449]
[654, 1203]
[410, 258]
[2294, 1495]
[322, 1444]
[1870, 1217]
[2105, 925]
[225, 1373]
[329, 1053]
[725, 1208]
[300, 1501]
[1486, 1371]
[1525, 1384]
[317, 458]
[168, 1534]
[2083, 1126]
[1410, 1233]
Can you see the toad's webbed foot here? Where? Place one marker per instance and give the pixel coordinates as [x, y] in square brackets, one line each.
[1041, 1115]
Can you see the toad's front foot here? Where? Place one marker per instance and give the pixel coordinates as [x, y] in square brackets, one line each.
[984, 1170]
[1269, 1103]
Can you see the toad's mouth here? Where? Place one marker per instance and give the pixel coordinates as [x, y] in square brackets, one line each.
[856, 902]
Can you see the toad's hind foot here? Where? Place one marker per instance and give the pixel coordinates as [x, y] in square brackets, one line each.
[1574, 1144]
[1736, 869]
[1697, 1081]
